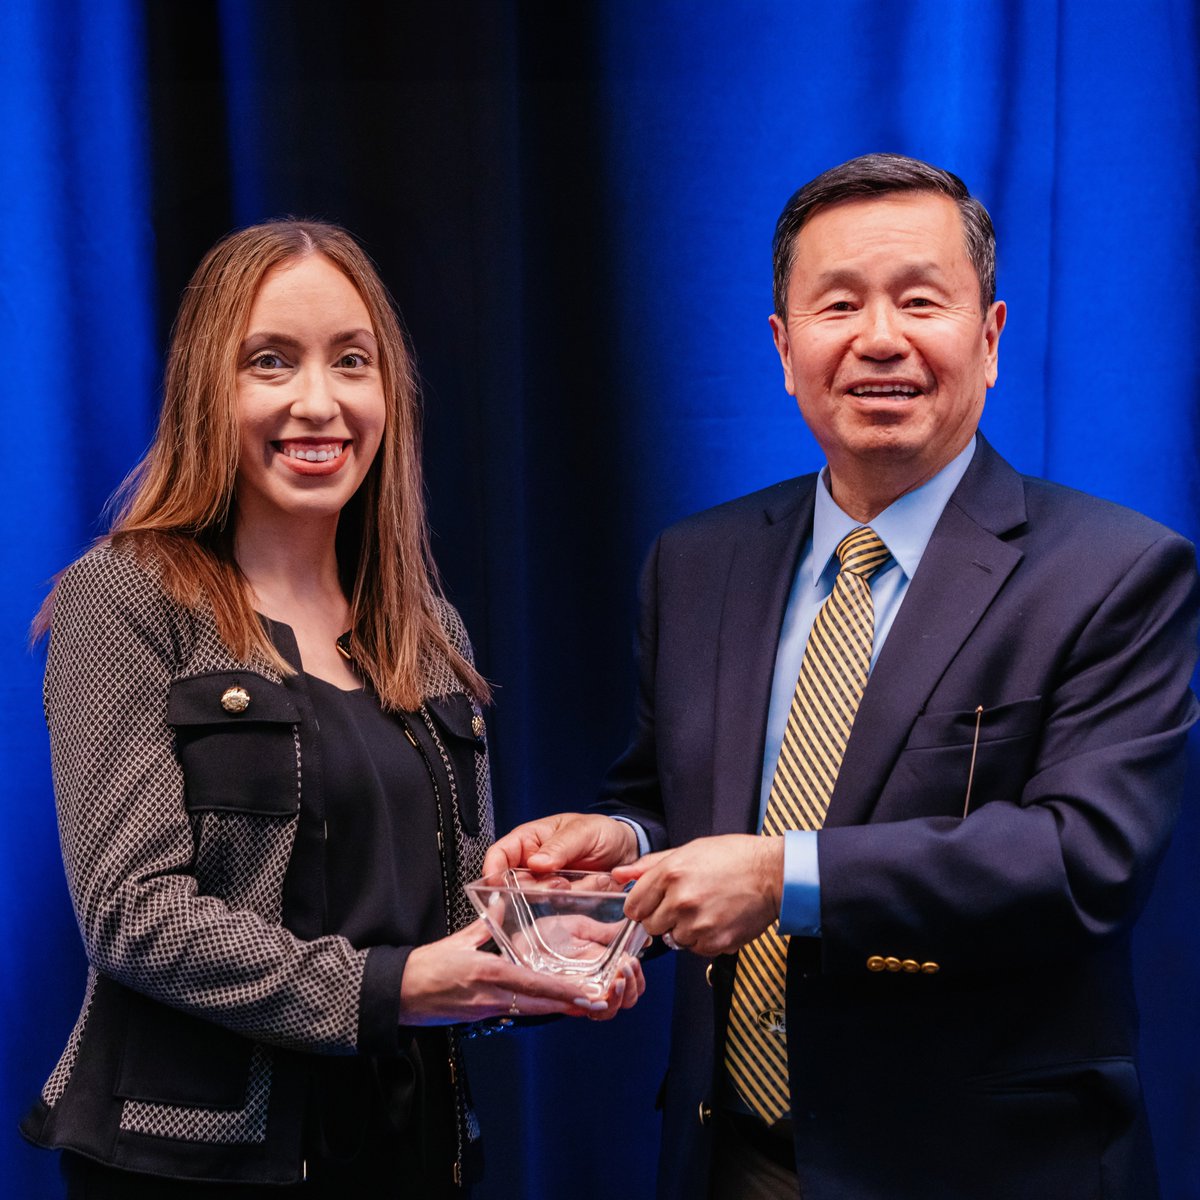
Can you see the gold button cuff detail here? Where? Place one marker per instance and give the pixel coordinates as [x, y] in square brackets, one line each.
[875, 963]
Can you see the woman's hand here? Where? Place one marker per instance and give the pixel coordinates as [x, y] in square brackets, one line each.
[452, 981]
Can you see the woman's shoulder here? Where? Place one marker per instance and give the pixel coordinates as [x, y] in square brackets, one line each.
[439, 675]
[119, 582]
[452, 626]
[114, 569]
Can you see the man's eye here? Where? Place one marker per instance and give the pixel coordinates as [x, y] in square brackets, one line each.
[267, 361]
[841, 306]
[920, 302]
[353, 361]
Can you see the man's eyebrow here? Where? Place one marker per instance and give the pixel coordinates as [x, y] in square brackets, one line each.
[920, 271]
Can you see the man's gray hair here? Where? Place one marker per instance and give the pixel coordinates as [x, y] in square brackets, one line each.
[881, 175]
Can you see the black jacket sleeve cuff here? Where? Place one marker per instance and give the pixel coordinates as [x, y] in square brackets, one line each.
[379, 1001]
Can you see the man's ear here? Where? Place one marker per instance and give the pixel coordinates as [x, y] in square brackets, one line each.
[993, 327]
[783, 347]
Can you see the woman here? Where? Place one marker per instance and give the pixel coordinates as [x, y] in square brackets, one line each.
[271, 770]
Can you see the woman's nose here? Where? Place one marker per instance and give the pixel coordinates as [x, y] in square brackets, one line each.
[314, 400]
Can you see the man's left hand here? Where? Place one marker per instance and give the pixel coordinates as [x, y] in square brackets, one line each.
[712, 895]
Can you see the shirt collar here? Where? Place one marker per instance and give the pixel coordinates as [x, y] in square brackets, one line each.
[905, 526]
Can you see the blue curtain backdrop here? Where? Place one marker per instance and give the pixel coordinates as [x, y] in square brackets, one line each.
[574, 211]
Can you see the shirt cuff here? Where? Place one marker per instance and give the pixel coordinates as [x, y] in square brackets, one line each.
[800, 912]
[642, 839]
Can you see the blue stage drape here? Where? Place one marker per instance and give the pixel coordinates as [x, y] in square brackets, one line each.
[579, 235]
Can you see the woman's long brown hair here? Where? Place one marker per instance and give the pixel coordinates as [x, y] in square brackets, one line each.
[177, 505]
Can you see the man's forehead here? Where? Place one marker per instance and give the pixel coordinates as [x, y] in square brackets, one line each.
[910, 230]
[861, 207]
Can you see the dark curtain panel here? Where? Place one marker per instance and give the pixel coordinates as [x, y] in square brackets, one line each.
[573, 207]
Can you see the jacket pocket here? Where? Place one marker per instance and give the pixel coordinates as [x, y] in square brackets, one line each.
[1005, 722]
[236, 736]
[930, 778]
[462, 728]
[173, 1058]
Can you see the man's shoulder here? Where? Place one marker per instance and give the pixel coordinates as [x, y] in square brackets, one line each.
[1038, 512]
[1075, 514]
[770, 504]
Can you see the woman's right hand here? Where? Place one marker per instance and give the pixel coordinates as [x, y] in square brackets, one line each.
[452, 981]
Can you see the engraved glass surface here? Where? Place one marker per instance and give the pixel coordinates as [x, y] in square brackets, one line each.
[569, 923]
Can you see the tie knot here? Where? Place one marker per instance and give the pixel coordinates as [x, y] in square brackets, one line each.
[861, 552]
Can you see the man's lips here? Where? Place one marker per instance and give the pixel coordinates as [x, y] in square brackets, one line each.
[885, 389]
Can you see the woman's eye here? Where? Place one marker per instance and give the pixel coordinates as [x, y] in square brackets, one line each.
[353, 360]
[267, 361]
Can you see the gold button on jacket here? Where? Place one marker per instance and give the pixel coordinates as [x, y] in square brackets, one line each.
[235, 699]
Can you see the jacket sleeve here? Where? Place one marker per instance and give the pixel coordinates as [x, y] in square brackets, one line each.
[631, 789]
[1066, 861]
[127, 840]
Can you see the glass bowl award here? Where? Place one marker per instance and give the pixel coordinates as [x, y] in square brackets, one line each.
[567, 923]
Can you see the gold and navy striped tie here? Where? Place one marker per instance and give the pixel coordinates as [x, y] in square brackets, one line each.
[833, 674]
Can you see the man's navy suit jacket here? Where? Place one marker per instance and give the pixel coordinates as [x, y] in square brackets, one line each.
[1010, 1072]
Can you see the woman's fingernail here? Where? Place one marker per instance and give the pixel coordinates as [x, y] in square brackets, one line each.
[590, 1005]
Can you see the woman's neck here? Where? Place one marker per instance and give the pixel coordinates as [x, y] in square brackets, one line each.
[293, 578]
[296, 565]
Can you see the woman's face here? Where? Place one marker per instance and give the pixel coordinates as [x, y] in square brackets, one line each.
[310, 399]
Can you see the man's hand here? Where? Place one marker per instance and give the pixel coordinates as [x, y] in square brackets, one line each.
[713, 895]
[565, 841]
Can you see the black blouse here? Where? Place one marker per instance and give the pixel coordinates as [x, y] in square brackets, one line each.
[381, 1119]
[383, 871]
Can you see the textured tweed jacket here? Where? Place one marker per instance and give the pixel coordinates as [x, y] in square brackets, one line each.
[192, 838]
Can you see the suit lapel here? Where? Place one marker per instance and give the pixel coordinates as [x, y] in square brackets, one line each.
[761, 569]
[963, 567]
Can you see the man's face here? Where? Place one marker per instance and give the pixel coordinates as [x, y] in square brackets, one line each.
[884, 346]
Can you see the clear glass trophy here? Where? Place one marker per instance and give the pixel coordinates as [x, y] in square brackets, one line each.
[569, 923]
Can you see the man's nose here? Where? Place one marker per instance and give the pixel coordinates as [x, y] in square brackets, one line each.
[880, 335]
[314, 399]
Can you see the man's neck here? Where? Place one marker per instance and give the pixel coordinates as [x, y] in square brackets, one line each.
[863, 491]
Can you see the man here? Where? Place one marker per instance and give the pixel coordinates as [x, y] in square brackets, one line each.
[961, 697]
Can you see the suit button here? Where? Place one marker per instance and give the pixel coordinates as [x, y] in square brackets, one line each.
[930, 968]
[892, 964]
[705, 1113]
[875, 963]
[235, 699]
[708, 974]
[910, 965]
[477, 726]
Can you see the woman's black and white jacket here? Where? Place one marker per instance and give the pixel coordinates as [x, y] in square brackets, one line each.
[192, 838]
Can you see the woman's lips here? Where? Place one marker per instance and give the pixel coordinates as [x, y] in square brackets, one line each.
[311, 456]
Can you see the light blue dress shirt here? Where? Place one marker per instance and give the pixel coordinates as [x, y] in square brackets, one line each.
[905, 527]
